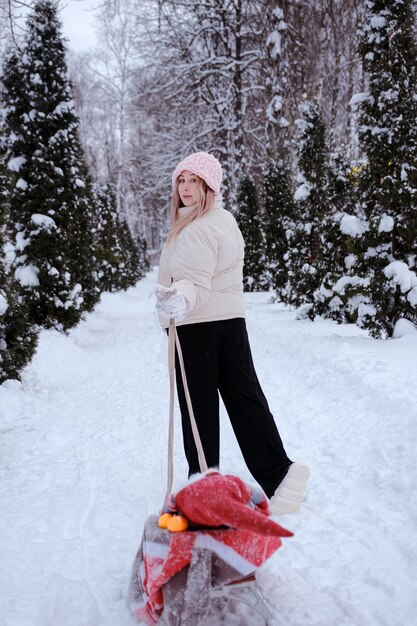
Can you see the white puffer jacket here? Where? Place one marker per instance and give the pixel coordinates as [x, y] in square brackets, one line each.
[205, 263]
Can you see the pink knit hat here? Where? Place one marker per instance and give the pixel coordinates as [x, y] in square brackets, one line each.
[204, 165]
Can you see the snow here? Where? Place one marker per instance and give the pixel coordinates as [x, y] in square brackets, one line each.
[378, 21]
[44, 221]
[401, 275]
[21, 242]
[73, 300]
[352, 225]
[27, 275]
[390, 95]
[404, 172]
[274, 40]
[386, 224]
[378, 130]
[9, 254]
[36, 79]
[370, 253]
[83, 463]
[358, 98]
[335, 303]
[274, 107]
[403, 327]
[366, 310]
[3, 305]
[346, 281]
[21, 184]
[64, 107]
[278, 13]
[16, 163]
[302, 192]
[350, 261]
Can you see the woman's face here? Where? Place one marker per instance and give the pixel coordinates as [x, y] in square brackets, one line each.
[188, 185]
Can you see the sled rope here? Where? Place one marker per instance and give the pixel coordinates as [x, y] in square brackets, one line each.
[173, 341]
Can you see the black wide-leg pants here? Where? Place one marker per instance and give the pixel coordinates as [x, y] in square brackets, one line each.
[217, 358]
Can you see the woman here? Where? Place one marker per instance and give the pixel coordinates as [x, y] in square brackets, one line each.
[200, 286]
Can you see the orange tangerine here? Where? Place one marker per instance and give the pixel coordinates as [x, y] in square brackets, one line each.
[164, 520]
[177, 523]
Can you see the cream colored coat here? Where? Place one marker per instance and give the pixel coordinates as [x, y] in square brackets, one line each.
[205, 263]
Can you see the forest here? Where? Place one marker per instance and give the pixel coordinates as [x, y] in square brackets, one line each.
[310, 105]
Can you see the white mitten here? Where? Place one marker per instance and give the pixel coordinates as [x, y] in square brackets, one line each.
[170, 303]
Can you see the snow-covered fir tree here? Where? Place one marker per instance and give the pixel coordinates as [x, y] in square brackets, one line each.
[338, 247]
[277, 216]
[381, 284]
[250, 223]
[135, 254]
[304, 262]
[17, 336]
[119, 258]
[51, 210]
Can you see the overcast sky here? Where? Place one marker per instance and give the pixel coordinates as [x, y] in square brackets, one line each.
[78, 21]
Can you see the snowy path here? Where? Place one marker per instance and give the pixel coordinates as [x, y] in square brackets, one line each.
[83, 447]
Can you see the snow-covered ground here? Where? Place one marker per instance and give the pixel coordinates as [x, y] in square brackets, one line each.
[83, 462]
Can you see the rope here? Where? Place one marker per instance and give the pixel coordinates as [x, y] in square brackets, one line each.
[173, 340]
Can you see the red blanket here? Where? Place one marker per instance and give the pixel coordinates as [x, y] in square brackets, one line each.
[229, 553]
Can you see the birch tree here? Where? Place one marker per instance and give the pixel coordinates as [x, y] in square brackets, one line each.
[114, 126]
[211, 75]
[224, 76]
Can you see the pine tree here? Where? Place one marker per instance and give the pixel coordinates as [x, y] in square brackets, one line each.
[144, 262]
[278, 211]
[381, 285]
[250, 223]
[338, 249]
[134, 250]
[17, 336]
[119, 258]
[51, 209]
[106, 238]
[305, 270]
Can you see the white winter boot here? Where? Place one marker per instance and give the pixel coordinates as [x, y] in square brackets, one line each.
[290, 492]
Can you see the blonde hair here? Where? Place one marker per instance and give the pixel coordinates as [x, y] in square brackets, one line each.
[205, 202]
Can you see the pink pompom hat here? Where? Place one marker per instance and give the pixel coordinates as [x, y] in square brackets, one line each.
[204, 165]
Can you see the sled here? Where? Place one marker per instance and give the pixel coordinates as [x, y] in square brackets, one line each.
[198, 576]
[245, 591]
[208, 586]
